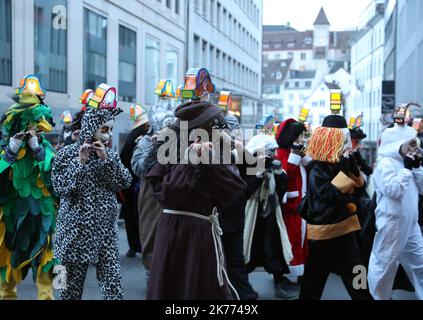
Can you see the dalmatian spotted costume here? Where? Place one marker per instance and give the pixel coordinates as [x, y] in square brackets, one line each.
[87, 232]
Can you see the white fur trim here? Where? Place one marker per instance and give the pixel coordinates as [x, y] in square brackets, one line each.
[294, 159]
[306, 160]
[292, 194]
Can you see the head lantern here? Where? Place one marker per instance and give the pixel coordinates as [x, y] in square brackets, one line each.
[198, 84]
[225, 101]
[104, 98]
[165, 89]
[139, 115]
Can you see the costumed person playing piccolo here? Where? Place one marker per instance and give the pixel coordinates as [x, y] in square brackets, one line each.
[266, 241]
[87, 175]
[331, 213]
[188, 259]
[27, 206]
[398, 180]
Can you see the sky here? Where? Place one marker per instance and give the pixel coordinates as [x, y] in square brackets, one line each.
[342, 14]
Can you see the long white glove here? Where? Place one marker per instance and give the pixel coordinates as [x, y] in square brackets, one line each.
[15, 145]
[33, 143]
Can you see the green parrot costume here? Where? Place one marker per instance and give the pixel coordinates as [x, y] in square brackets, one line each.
[27, 204]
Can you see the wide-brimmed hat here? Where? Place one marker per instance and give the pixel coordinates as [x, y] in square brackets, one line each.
[357, 134]
[335, 121]
[196, 113]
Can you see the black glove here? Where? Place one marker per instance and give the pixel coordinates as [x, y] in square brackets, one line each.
[411, 162]
[344, 165]
[354, 169]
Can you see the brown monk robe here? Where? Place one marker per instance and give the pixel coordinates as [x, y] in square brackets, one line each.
[184, 262]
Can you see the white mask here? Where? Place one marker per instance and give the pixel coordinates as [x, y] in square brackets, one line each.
[104, 133]
[347, 139]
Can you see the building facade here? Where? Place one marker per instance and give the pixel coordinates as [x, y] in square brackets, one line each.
[367, 69]
[73, 45]
[311, 55]
[409, 51]
[225, 36]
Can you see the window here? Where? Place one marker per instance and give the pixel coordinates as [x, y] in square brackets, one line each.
[303, 56]
[95, 49]
[322, 103]
[196, 51]
[5, 42]
[172, 64]
[177, 8]
[219, 16]
[205, 8]
[152, 69]
[314, 104]
[50, 47]
[127, 64]
[287, 85]
[168, 3]
[297, 84]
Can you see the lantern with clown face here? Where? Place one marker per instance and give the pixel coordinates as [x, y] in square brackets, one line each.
[198, 84]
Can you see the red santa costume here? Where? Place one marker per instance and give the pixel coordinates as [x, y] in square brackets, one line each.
[294, 165]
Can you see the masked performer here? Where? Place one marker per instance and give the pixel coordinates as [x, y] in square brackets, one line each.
[188, 259]
[332, 220]
[27, 207]
[87, 175]
[266, 242]
[399, 181]
[291, 138]
[129, 208]
[161, 117]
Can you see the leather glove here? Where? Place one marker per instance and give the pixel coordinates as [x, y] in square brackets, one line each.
[411, 162]
[344, 164]
[354, 169]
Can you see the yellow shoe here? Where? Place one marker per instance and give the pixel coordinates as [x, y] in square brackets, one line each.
[8, 290]
[45, 286]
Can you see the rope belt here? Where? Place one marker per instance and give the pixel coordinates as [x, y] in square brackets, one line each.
[217, 241]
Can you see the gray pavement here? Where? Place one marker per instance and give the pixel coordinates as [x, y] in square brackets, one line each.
[134, 283]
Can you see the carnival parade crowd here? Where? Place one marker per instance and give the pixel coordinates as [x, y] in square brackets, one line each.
[203, 206]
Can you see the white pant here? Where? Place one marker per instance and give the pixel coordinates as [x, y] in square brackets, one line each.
[389, 250]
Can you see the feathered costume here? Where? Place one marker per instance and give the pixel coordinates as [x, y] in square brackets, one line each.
[27, 206]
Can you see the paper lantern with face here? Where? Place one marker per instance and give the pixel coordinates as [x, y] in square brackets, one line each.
[30, 86]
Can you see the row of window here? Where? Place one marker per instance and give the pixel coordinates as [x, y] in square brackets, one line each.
[50, 54]
[285, 55]
[224, 66]
[173, 5]
[225, 22]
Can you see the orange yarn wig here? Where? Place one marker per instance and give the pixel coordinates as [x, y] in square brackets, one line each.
[326, 145]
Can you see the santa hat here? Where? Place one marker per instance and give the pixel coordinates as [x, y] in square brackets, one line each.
[288, 132]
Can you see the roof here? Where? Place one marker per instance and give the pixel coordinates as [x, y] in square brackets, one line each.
[277, 28]
[288, 40]
[302, 40]
[322, 19]
[332, 86]
[271, 69]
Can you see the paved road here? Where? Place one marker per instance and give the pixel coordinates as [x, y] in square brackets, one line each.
[135, 286]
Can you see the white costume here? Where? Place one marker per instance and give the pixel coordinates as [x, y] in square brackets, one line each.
[399, 238]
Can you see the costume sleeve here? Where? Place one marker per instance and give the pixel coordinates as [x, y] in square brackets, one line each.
[113, 174]
[418, 177]
[141, 152]
[392, 182]
[68, 174]
[223, 184]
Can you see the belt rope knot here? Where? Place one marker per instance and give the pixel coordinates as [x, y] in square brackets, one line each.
[217, 232]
